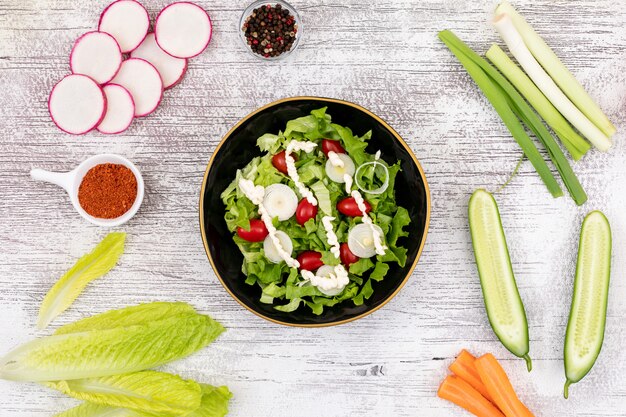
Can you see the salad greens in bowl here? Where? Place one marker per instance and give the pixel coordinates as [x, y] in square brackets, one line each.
[313, 212]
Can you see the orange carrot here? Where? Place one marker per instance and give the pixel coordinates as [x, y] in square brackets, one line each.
[459, 392]
[464, 368]
[499, 387]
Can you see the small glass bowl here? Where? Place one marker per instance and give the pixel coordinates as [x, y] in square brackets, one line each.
[258, 4]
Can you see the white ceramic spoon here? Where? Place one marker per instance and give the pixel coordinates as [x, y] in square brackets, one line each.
[70, 181]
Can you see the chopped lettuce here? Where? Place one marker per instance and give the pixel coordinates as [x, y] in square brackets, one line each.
[284, 287]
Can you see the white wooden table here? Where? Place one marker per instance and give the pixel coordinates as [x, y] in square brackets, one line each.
[381, 54]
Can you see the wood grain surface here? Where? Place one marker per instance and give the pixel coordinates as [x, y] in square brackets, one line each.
[385, 56]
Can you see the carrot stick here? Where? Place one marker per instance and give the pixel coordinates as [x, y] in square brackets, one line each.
[459, 392]
[499, 387]
[464, 368]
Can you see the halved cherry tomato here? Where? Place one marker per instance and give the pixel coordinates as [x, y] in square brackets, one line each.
[310, 260]
[305, 211]
[332, 145]
[346, 255]
[257, 233]
[348, 207]
[280, 163]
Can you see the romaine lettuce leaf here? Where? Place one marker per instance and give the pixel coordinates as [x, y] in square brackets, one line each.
[149, 391]
[91, 266]
[97, 353]
[129, 316]
[214, 403]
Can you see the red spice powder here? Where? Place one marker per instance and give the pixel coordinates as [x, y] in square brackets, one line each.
[108, 191]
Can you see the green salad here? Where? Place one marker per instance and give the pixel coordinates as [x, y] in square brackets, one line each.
[316, 217]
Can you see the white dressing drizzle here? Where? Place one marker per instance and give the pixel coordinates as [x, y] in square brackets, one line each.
[334, 281]
[378, 243]
[348, 180]
[295, 146]
[335, 160]
[255, 193]
[330, 235]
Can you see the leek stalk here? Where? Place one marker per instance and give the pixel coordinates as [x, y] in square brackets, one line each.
[559, 73]
[518, 48]
[575, 144]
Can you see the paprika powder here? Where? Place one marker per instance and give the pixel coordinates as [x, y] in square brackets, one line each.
[108, 191]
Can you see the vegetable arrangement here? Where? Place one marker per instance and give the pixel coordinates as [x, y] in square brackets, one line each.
[507, 93]
[103, 360]
[585, 330]
[343, 240]
[105, 91]
[481, 387]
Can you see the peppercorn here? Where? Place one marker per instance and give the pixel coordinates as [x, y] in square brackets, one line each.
[270, 30]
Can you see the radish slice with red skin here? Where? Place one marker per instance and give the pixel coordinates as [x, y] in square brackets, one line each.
[77, 104]
[183, 29]
[120, 110]
[143, 82]
[172, 69]
[127, 21]
[97, 55]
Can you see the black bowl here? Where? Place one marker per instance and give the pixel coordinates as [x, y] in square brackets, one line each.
[238, 147]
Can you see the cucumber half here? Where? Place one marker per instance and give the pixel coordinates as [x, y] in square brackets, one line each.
[502, 300]
[587, 318]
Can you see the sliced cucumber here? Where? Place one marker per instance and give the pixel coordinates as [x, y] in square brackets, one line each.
[502, 300]
[587, 317]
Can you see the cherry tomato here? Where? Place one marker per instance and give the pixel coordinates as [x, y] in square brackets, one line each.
[305, 211]
[346, 255]
[348, 207]
[280, 163]
[310, 260]
[257, 233]
[332, 145]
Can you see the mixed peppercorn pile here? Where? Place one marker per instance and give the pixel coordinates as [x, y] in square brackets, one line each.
[270, 30]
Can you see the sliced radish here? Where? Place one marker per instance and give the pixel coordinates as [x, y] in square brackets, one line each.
[183, 29]
[336, 172]
[77, 104]
[97, 55]
[171, 69]
[143, 82]
[120, 110]
[280, 201]
[270, 250]
[361, 240]
[127, 21]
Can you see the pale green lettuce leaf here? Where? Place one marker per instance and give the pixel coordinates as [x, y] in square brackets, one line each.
[139, 314]
[214, 403]
[106, 352]
[91, 266]
[150, 391]
[323, 197]
[97, 410]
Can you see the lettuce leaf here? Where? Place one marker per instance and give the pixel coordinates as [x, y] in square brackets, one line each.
[105, 352]
[91, 266]
[214, 403]
[129, 316]
[150, 391]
